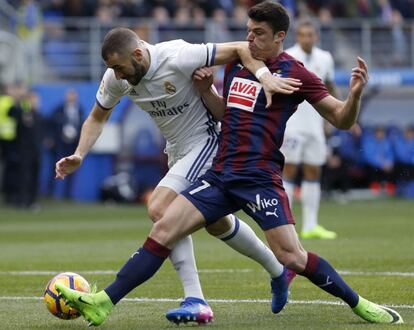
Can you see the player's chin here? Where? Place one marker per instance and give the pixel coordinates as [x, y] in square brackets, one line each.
[256, 54]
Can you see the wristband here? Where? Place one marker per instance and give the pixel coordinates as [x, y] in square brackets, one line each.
[259, 73]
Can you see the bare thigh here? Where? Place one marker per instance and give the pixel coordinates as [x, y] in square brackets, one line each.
[180, 219]
[159, 201]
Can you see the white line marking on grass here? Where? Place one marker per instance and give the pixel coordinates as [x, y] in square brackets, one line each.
[227, 301]
[202, 271]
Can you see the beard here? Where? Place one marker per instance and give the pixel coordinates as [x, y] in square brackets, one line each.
[139, 72]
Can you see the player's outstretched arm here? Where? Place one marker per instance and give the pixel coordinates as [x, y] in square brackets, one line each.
[343, 114]
[203, 82]
[91, 130]
[227, 52]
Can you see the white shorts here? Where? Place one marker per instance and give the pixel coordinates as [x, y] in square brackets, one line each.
[188, 162]
[303, 148]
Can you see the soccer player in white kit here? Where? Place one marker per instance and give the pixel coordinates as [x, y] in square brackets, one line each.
[304, 141]
[158, 78]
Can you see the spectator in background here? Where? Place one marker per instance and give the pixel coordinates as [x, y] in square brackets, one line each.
[29, 143]
[66, 122]
[8, 148]
[28, 25]
[342, 161]
[218, 28]
[79, 8]
[134, 8]
[394, 19]
[404, 155]
[378, 155]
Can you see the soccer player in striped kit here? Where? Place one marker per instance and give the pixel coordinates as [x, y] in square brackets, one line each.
[246, 172]
[158, 78]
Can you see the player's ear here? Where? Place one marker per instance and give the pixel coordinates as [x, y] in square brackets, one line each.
[279, 36]
[137, 53]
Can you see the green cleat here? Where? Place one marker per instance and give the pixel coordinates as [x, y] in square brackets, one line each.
[375, 313]
[94, 307]
[318, 232]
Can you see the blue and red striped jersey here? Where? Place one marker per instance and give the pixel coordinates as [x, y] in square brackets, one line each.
[252, 135]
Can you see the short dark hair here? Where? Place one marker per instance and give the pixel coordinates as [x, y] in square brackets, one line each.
[272, 13]
[119, 40]
[307, 22]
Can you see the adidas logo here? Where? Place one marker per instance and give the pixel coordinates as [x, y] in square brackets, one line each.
[133, 92]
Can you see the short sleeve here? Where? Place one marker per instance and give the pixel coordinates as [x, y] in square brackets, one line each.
[109, 92]
[193, 56]
[313, 89]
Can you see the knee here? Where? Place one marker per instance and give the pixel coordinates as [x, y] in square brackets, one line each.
[155, 210]
[220, 227]
[160, 232]
[295, 260]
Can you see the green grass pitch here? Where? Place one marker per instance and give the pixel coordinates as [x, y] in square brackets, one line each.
[375, 250]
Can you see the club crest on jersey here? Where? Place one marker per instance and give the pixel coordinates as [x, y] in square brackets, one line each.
[243, 94]
[169, 88]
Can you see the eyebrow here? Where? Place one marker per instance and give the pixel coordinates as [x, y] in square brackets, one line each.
[257, 29]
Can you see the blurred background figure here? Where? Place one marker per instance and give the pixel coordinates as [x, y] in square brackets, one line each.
[8, 147]
[28, 26]
[343, 162]
[404, 157]
[378, 155]
[65, 125]
[29, 139]
[21, 146]
[304, 144]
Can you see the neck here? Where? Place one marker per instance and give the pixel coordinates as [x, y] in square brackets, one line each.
[275, 53]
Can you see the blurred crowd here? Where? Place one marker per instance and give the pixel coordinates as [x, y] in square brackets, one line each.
[26, 135]
[381, 158]
[195, 11]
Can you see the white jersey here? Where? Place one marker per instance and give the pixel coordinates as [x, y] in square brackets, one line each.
[166, 92]
[320, 62]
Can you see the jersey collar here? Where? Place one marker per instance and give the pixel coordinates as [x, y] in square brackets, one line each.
[153, 61]
[302, 52]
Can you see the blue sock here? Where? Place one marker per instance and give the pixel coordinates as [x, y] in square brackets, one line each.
[142, 265]
[322, 274]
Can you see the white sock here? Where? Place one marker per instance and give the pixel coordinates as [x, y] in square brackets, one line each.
[182, 258]
[289, 188]
[310, 197]
[244, 240]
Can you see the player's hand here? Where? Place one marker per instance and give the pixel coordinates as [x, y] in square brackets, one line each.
[273, 84]
[203, 79]
[67, 165]
[359, 77]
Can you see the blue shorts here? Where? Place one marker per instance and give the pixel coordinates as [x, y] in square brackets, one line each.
[260, 195]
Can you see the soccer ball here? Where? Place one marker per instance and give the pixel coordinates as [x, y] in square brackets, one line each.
[56, 305]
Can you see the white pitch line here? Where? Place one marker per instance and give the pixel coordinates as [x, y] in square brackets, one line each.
[227, 301]
[202, 271]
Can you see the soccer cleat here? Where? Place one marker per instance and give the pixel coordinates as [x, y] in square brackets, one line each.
[280, 291]
[318, 232]
[375, 313]
[191, 310]
[94, 307]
